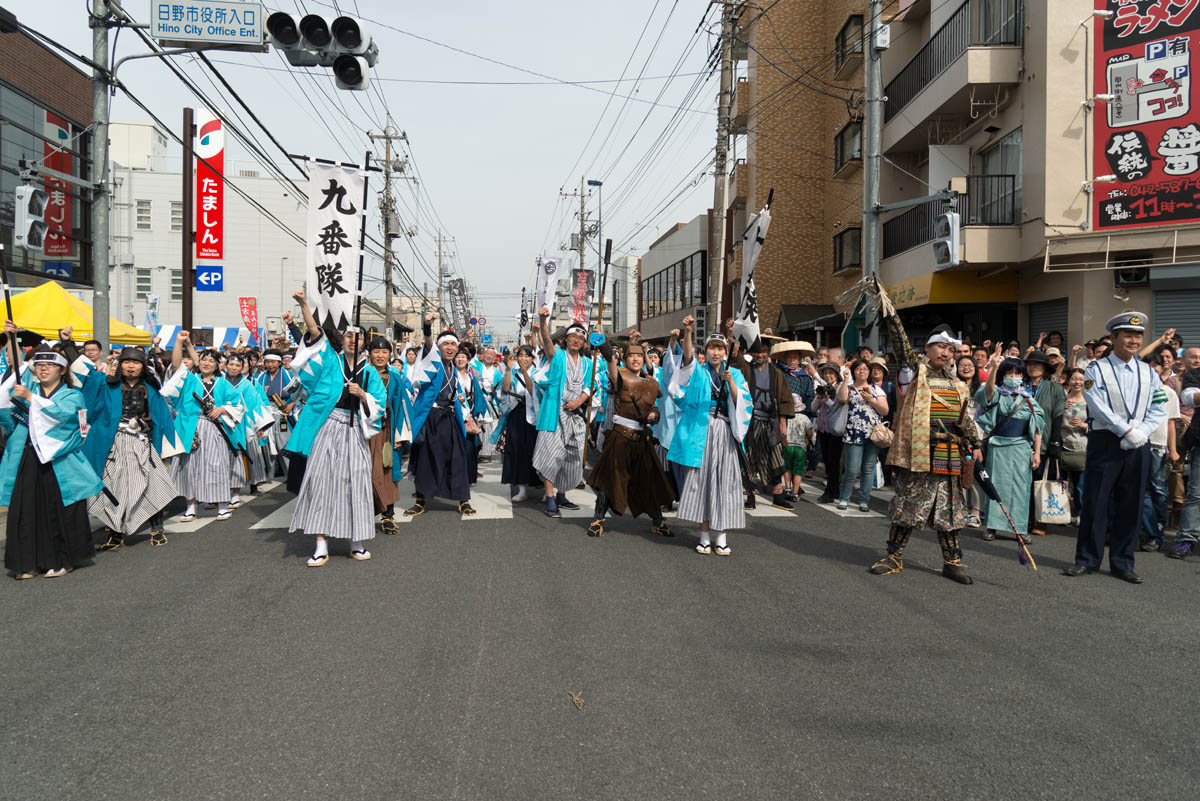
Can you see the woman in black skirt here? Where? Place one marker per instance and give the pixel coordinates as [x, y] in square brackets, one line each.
[519, 401]
[44, 478]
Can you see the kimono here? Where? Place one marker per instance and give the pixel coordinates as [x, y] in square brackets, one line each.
[45, 480]
[518, 424]
[439, 460]
[212, 450]
[386, 460]
[1008, 452]
[558, 455]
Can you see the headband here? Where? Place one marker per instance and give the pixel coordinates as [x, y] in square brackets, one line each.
[447, 337]
[576, 329]
[272, 357]
[50, 357]
[942, 338]
[233, 357]
[719, 338]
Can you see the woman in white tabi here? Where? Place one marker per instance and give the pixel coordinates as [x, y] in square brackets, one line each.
[714, 414]
[518, 423]
[440, 459]
[208, 413]
[562, 422]
[329, 444]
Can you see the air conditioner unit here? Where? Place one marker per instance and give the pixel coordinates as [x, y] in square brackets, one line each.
[1127, 277]
[274, 325]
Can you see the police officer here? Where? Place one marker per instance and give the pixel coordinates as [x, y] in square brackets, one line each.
[1126, 403]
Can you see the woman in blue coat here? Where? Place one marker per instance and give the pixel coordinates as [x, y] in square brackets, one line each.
[44, 479]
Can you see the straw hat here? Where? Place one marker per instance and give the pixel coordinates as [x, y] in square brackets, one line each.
[800, 345]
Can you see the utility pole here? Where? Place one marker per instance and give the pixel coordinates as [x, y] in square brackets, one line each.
[874, 143]
[441, 280]
[188, 236]
[98, 20]
[716, 284]
[388, 209]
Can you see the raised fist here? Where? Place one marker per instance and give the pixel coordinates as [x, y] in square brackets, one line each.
[543, 312]
[298, 296]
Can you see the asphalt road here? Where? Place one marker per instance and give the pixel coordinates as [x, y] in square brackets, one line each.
[220, 667]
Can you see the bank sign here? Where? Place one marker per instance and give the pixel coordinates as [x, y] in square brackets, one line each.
[1146, 134]
[226, 22]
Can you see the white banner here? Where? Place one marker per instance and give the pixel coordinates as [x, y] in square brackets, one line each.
[335, 220]
[746, 323]
[547, 283]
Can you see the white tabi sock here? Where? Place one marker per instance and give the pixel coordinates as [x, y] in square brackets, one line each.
[191, 510]
[720, 539]
[322, 549]
[704, 539]
[521, 496]
[237, 498]
[222, 508]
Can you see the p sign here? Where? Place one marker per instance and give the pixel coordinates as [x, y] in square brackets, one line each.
[210, 278]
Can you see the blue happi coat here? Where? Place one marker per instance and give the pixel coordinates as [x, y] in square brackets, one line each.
[256, 412]
[429, 377]
[53, 423]
[320, 368]
[399, 406]
[103, 400]
[181, 391]
[668, 410]
[552, 379]
[691, 390]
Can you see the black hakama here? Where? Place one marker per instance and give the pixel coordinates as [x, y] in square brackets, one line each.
[439, 459]
[520, 439]
[42, 534]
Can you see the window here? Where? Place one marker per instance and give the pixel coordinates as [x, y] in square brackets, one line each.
[847, 145]
[846, 248]
[176, 215]
[999, 200]
[849, 41]
[1000, 21]
[143, 285]
[143, 215]
[176, 284]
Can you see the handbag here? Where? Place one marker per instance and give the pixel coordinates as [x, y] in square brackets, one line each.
[881, 435]
[1050, 502]
[1075, 461]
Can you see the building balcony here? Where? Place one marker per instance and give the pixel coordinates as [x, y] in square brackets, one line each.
[990, 224]
[741, 106]
[739, 186]
[977, 50]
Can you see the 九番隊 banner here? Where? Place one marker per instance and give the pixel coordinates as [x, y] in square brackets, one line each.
[210, 186]
[335, 225]
[1146, 135]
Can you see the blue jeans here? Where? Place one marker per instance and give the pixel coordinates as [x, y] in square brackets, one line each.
[1154, 505]
[859, 462]
[1189, 520]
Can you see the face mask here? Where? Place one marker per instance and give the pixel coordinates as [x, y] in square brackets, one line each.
[1014, 382]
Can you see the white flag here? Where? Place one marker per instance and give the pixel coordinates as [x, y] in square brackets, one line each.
[335, 221]
[547, 284]
[746, 324]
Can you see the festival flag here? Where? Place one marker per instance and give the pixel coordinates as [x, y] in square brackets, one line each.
[547, 284]
[746, 323]
[335, 224]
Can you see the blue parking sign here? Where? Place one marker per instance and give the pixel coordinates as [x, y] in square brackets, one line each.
[210, 278]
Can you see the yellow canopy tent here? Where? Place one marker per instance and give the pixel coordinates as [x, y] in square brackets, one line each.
[49, 307]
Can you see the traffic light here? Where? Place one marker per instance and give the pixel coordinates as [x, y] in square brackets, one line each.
[29, 221]
[945, 239]
[342, 43]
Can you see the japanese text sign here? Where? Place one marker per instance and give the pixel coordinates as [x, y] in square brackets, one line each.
[1147, 135]
[210, 186]
[581, 295]
[335, 224]
[59, 241]
[209, 21]
[249, 309]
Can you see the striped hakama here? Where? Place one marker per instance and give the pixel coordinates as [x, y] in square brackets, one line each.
[335, 497]
[258, 463]
[136, 475]
[713, 491]
[558, 455]
[203, 474]
[488, 450]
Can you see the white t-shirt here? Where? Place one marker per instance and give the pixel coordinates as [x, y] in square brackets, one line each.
[1158, 440]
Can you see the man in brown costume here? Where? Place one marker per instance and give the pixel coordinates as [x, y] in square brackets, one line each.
[628, 473]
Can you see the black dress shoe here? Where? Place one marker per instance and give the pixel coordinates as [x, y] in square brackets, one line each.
[1128, 575]
[1078, 570]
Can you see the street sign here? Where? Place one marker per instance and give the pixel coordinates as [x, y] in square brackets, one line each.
[223, 22]
[210, 278]
[474, 321]
[60, 269]
[483, 321]
[486, 339]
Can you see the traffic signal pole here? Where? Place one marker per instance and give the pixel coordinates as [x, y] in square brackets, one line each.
[98, 20]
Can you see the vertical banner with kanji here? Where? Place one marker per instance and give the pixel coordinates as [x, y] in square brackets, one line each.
[335, 224]
[547, 284]
[59, 241]
[249, 309]
[582, 282]
[210, 186]
[1146, 135]
[746, 327]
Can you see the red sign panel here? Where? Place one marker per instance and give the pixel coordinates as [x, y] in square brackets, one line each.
[1146, 136]
[581, 296]
[210, 187]
[249, 309]
[58, 212]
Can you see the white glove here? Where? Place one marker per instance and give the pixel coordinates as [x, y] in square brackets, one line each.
[1135, 439]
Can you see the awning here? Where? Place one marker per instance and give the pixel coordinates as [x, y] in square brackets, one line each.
[220, 336]
[798, 316]
[48, 308]
[960, 287]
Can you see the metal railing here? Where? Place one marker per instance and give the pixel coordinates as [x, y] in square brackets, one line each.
[990, 200]
[976, 22]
